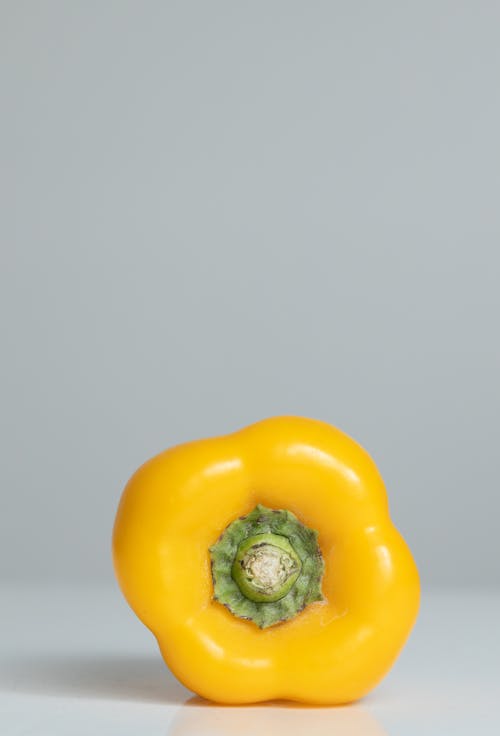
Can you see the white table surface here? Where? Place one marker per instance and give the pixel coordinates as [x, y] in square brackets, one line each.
[76, 661]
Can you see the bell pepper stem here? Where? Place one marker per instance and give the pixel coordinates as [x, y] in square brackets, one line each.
[267, 566]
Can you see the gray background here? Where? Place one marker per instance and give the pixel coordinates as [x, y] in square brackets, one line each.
[215, 212]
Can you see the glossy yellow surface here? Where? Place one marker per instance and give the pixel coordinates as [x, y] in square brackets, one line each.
[177, 504]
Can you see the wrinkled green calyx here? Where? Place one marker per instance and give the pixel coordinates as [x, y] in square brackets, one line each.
[267, 566]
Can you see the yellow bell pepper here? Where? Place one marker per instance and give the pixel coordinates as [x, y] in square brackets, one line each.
[266, 564]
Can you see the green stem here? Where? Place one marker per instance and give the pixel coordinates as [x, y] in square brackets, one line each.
[267, 566]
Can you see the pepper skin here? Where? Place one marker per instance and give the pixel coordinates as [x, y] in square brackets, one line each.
[178, 504]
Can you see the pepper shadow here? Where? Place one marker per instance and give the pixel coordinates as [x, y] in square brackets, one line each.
[107, 677]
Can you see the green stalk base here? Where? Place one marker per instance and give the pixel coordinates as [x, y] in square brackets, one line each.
[247, 597]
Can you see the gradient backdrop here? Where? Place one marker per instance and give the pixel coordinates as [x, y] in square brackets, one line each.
[213, 212]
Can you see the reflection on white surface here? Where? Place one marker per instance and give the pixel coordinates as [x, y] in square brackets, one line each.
[199, 718]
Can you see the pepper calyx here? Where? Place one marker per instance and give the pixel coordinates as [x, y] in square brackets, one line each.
[267, 566]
